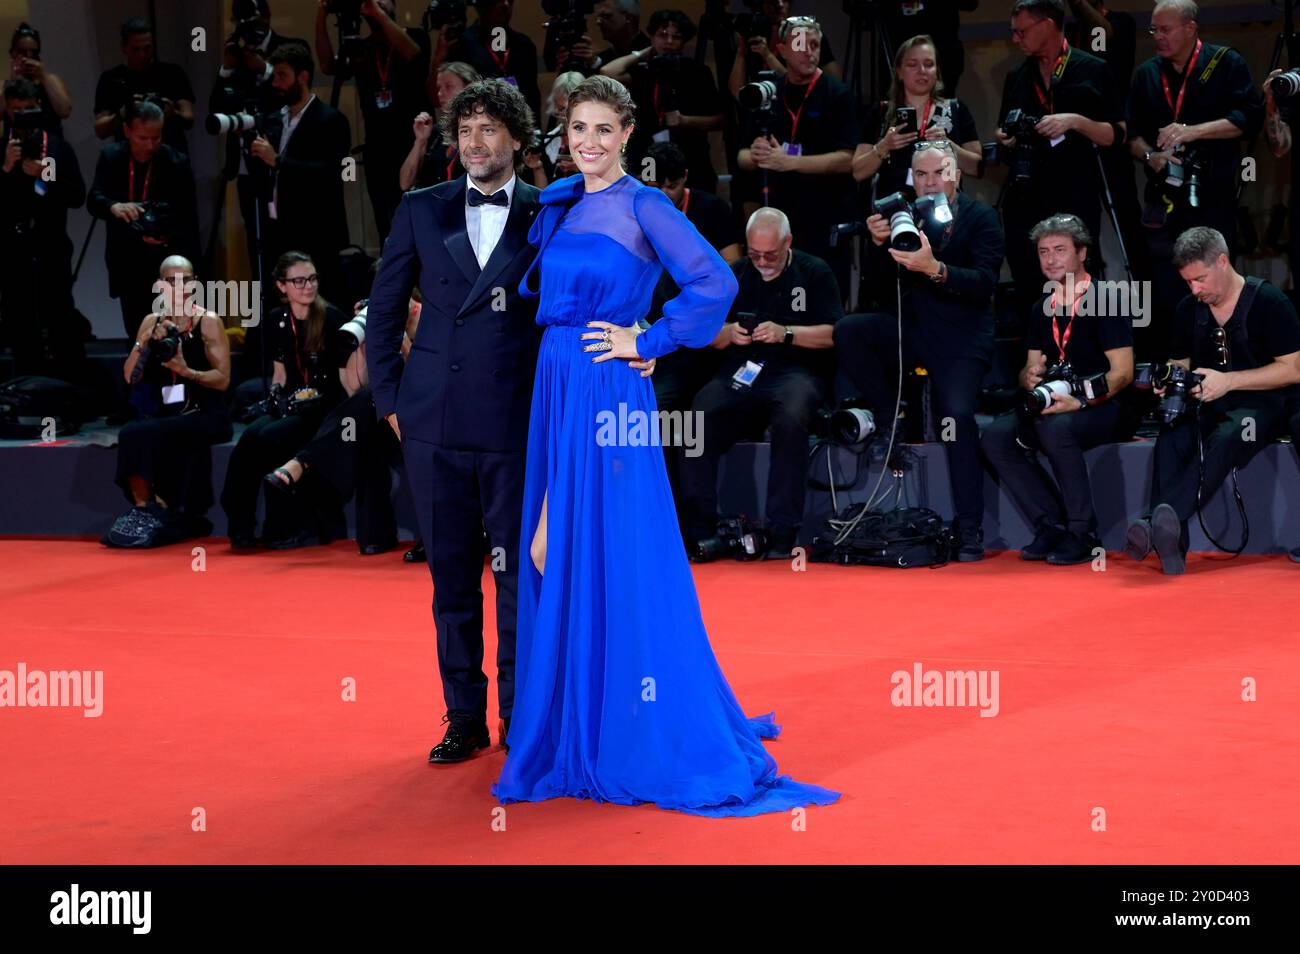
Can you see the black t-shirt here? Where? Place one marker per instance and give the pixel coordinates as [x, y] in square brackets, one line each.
[387, 78]
[518, 61]
[1119, 51]
[1081, 84]
[1269, 330]
[775, 300]
[660, 85]
[952, 115]
[318, 369]
[1229, 93]
[119, 86]
[1091, 334]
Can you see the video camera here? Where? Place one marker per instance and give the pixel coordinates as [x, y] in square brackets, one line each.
[1061, 380]
[903, 216]
[1177, 382]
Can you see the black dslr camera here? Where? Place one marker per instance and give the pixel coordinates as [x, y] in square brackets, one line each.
[903, 216]
[443, 13]
[757, 99]
[249, 33]
[565, 26]
[738, 537]
[1177, 382]
[26, 128]
[1184, 169]
[155, 221]
[1059, 381]
[753, 23]
[1022, 127]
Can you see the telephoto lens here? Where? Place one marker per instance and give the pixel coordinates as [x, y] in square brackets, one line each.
[903, 233]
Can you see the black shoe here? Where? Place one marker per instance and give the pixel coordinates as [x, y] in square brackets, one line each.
[1166, 533]
[415, 554]
[1047, 539]
[243, 540]
[463, 738]
[373, 549]
[303, 539]
[503, 732]
[282, 481]
[780, 544]
[1073, 549]
[1138, 543]
[970, 545]
[1295, 555]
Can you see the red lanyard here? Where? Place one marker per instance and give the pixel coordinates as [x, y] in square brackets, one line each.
[659, 112]
[385, 69]
[925, 119]
[794, 116]
[451, 162]
[1049, 100]
[502, 62]
[144, 193]
[1187, 77]
[686, 200]
[1064, 339]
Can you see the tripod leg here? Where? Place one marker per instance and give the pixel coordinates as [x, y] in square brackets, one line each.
[1110, 208]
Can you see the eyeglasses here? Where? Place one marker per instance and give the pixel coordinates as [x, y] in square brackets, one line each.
[940, 144]
[1021, 34]
[1220, 339]
[302, 281]
[766, 256]
[667, 35]
[1164, 31]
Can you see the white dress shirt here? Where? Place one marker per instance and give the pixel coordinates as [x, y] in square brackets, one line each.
[485, 223]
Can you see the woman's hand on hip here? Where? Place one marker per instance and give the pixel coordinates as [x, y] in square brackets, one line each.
[622, 344]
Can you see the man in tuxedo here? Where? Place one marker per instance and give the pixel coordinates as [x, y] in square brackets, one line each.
[460, 404]
[302, 151]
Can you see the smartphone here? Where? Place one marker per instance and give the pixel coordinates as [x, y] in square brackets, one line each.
[905, 116]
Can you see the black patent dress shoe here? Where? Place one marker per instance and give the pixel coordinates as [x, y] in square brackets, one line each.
[462, 740]
[415, 554]
[373, 549]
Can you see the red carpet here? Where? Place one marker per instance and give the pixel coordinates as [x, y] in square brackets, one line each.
[1119, 690]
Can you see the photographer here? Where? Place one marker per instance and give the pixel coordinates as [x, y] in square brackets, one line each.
[1060, 104]
[1241, 338]
[1190, 107]
[390, 66]
[1093, 345]
[780, 324]
[916, 86]
[302, 151]
[432, 159]
[305, 385]
[144, 190]
[142, 77]
[514, 60]
[549, 159]
[51, 93]
[178, 370]
[676, 96]
[35, 251]
[947, 326]
[758, 34]
[940, 19]
[804, 140]
[620, 26]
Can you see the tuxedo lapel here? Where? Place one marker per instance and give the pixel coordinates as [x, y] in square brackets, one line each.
[513, 239]
[451, 220]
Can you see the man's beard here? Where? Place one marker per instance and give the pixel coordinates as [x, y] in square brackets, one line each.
[493, 166]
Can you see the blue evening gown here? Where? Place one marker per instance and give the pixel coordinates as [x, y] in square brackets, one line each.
[618, 696]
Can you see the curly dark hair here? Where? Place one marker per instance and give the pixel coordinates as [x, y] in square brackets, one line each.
[499, 100]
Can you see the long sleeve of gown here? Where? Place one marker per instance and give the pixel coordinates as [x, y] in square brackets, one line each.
[693, 318]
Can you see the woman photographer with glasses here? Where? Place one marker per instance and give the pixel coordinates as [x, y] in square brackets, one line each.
[305, 385]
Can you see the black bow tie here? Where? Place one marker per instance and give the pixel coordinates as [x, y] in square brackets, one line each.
[477, 198]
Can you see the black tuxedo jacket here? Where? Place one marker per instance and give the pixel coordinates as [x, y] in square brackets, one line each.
[309, 176]
[468, 382]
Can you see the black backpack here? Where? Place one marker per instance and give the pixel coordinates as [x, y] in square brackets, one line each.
[26, 402]
[906, 537]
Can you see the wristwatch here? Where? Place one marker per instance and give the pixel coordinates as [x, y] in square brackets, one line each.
[941, 274]
[789, 335]
[1146, 157]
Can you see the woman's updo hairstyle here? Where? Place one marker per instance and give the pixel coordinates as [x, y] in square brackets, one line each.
[607, 91]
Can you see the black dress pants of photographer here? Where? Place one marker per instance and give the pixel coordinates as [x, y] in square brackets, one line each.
[867, 347]
[174, 457]
[1231, 437]
[353, 453]
[784, 398]
[263, 446]
[1062, 439]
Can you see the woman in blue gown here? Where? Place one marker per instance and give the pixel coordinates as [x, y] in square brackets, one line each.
[618, 696]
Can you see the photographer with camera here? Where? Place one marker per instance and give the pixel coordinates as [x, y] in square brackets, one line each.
[758, 35]
[774, 372]
[947, 280]
[305, 385]
[391, 67]
[512, 57]
[916, 110]
[25, 63]
[179, 371]
[432, 159]
[301, 153]
[676, 96]
[619, 22]
[144, 190]
[1057, 107]
[940, 19]
[1070, 405]
[1190, 107]
[549, 159]
[142, 77]
[41, 182]
[1278, 122]
[1240, 340]
[803, 130]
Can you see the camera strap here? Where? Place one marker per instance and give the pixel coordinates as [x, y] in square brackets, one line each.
[148, 174]
[1187, 77]
[1048, 99]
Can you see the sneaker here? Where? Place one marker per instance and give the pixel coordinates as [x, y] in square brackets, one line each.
[970, 545]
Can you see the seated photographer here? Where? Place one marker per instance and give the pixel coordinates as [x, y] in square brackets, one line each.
[144, 190]
[806, 155]
[52, 97]
[178, 370]
[1189, 109]
[915, 103]
[142, 77]
[1240, 338]
[1057, 107]
[676, 96]
[947, 320]
[775, 371]
[514, 60]
[35, 251]
[549, 159]
[1073, 405]
[432, 159]
[353, 451]
[305, 386]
